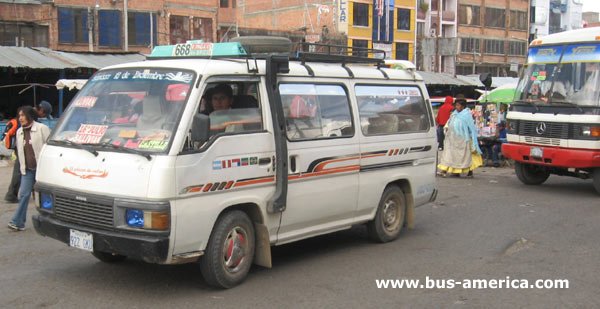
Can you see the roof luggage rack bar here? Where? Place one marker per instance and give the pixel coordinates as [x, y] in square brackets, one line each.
[318, 52]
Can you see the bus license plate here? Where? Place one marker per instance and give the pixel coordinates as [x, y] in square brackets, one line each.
[536, 152]
[81, 240]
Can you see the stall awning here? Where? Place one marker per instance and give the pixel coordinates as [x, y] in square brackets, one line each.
[70, 83]
[433, 78]
[496, 81]
[44, 58]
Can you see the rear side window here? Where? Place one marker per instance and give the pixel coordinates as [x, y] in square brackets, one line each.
[316, 111]
[391, 109]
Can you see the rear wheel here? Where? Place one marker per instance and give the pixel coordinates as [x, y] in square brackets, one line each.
[531, 174]
[108, 257]
[597, 179]
[230, 251]
[389, 219]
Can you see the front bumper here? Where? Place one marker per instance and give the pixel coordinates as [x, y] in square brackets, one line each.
[148, 248]
[553, 156]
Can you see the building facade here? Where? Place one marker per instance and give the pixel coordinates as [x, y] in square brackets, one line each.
[553, 16]
[436, 35]
[493, 36]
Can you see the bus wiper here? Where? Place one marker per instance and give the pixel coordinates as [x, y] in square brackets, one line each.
[537, 109]
[125, 149]
[568, 103]
[76, 145]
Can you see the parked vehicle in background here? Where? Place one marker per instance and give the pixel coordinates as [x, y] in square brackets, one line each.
[554, 122]
[140, 167]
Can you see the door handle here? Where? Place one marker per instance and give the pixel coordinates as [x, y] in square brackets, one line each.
[293, 164]
[265, 161]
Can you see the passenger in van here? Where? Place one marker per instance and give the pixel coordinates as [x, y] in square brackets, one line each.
[222, 97]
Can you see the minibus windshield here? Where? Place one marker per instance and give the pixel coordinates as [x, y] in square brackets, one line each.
[137, 108]
[561, 75]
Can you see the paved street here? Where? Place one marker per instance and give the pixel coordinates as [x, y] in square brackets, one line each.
[489, 227]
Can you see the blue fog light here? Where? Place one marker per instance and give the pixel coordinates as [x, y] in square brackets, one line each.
[135, 218]
[46, 201]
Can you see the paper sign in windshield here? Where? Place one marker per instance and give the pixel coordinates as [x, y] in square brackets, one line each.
[86, 102]
[89, 134]
[153, 145]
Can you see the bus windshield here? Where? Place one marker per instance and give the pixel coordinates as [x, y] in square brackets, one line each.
[569, 75]
[131, 109]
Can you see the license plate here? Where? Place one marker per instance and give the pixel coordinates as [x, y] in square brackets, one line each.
[536, 152]
[81, 240]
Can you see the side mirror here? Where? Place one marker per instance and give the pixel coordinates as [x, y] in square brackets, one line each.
[200, 128]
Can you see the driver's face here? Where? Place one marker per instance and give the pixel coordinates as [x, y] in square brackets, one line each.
[221, 101]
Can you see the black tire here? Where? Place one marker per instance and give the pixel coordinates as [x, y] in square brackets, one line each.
[237, 230]
[389, 219]
[108, 257]
[597, 179]
[264, 44]
[531, 174]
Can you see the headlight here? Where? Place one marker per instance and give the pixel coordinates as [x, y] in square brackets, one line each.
[46, 201]
[511, 126]
[146, 219]
[590, 131]
[140, 214]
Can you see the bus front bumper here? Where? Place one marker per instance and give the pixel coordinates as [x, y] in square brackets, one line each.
[148, 248]
[552, 156]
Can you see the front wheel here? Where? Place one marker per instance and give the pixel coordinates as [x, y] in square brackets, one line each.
[108, 257]
[597, 179]
[531, 174]
[230, 251]
[389, 219]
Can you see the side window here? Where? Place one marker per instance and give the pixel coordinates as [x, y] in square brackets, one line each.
[232, 107]
[316, 111]
[391, 109]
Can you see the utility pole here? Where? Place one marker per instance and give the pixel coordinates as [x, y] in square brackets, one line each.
[90, 27]
[125, 28]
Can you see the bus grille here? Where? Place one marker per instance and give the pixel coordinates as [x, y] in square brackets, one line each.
[553, 130]
[542, 141]
[84, 213]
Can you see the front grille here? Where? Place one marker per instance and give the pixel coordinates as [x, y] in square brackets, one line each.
[542, 141]
[553, 129]
[85, 213]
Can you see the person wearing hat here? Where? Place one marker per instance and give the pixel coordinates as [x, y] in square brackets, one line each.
[44, 112]
[461, 149]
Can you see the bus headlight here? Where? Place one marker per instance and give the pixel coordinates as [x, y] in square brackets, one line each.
[590, 131]
[143, 215]
[46, 201]
[144, 219]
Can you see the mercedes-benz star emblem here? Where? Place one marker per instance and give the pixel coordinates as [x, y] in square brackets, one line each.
[540, 128]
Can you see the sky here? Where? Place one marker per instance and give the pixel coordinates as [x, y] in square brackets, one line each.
[591, 6]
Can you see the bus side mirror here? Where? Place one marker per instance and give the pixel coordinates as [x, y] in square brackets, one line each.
[200, 128]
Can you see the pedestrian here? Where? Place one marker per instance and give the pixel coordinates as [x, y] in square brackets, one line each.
[441, 119]
[461, 150]
[44, 113]
[10, 134]
[30, 138]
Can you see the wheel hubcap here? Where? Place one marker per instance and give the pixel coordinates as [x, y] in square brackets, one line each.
[391, 215]
[235, 249]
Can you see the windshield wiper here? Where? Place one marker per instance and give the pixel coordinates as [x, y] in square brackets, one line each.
[568, 103]
[76, 145]
[537, 109]
[125, 149]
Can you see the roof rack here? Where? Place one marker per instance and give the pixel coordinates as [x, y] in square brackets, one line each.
[319, 52]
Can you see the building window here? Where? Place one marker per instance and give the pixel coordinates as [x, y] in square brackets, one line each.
[403, 19]
[360, 14]
[72, 25]
[518, 20]
[30, 35]
[224, 3]
[359, 48]
[138, 26]
[109, 28]
[495, 18]
[203, 29]
[468, 15]
[517, 48]
[233, 4]
[401, 51]
[469, 45]
[180, 29]
[494, 47]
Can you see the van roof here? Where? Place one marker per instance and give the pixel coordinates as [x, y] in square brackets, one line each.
[573, 36]
[236, 66]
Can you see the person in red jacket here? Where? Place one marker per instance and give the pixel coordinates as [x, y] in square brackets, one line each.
[441, 119]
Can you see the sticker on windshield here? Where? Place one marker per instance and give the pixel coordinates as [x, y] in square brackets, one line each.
[127, 133]
[541, 75]
[153, 145]
[85, 102]
[89, 134]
